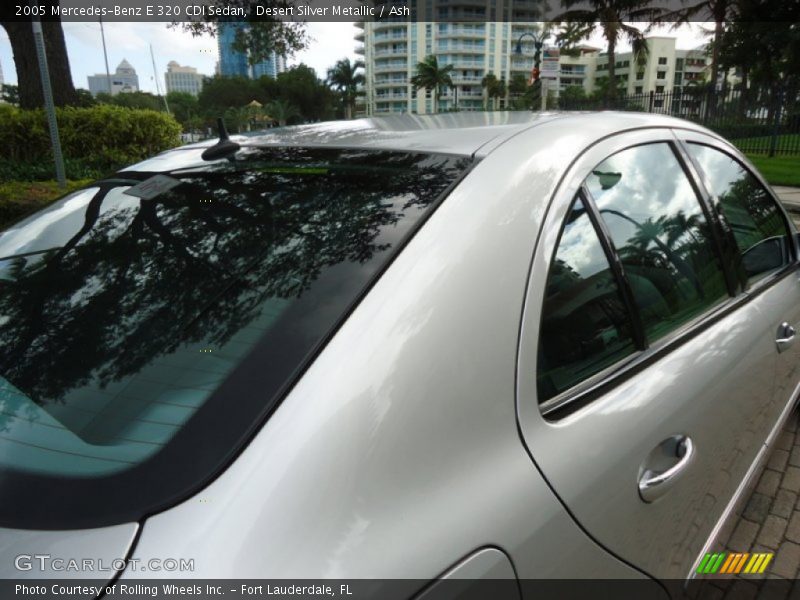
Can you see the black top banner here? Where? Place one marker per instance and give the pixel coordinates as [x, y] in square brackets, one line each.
[379, 11]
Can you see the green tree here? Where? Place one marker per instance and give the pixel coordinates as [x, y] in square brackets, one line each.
[139, 99]
[495, 88]
[571, 97]
[184, 107]
[720, 11]
[609, 17]
[10, 94]
[221, 93]
[430, 76]
[602, 89]
[259, 38]
[345, 79]
[23, 47]
[301, 87]
[84, 98]
[281, 111]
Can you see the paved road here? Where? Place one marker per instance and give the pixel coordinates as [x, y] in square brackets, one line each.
[790, 196]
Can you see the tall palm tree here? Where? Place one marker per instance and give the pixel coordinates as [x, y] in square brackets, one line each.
[281, 110]
[609, 16]
[720, 12]
[495, 88]
[432, 77]
[345, 79]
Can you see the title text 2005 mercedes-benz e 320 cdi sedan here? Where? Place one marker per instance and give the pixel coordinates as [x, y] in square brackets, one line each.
[505, 345]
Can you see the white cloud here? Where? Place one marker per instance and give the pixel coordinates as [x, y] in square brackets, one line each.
[330, 42]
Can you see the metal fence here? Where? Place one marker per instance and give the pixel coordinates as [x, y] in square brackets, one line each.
[757, 122]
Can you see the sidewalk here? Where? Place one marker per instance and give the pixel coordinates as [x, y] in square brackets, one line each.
[790, 196]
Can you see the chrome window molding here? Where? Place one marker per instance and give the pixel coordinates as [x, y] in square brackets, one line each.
[573, 399]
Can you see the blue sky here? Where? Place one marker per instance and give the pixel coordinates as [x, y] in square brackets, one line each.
[131, 41]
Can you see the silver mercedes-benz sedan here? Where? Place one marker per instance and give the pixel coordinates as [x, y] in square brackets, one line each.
[467, 345]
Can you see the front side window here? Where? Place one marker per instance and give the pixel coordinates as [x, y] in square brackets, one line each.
[756, 221]
[661, 235]
[585, 326]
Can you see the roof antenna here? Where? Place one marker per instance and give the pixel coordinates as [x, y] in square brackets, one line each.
[224, 148]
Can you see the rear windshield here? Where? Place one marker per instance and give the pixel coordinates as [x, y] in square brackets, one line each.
[148, 324]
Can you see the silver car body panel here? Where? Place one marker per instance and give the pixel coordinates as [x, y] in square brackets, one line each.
[718, 388]
[398, 450]
[103, 546]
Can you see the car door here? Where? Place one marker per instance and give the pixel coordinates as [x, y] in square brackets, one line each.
[763, 235]
[644, 372]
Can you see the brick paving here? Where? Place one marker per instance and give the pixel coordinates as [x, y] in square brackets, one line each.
[769, 522]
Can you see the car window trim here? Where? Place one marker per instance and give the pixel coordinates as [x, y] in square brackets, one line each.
[722, 236]
[615, 263]
[708, 141]
[581, 394]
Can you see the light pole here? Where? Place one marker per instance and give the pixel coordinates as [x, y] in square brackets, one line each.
[538, 42]
[50, 111]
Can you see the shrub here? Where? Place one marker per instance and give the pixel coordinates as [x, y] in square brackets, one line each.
[94, 140]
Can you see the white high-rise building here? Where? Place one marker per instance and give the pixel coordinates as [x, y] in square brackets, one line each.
[183, 79]
[124, 79]
[392, 49]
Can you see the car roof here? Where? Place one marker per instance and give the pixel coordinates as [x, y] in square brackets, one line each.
[461, 133]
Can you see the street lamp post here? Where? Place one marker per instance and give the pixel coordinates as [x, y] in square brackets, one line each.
[538, 43]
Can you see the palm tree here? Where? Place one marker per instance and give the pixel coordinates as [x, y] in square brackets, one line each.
[344, 78]
[610, 17]
[495, 88]
[432, 77]
[720, 11]
[281, 111]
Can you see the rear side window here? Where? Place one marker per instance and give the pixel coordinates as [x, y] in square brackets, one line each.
[661, 234]
[144, 340]
[756, 221]
[585, 325]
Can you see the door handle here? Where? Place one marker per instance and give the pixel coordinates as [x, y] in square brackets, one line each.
[786, 335]
[655, 481]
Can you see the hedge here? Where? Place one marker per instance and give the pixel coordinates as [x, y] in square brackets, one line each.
[97, 139]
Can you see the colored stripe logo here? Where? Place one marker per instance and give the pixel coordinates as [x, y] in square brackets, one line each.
[734, 563]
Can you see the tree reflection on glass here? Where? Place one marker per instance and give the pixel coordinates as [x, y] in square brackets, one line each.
[147, 297]
[661, 235]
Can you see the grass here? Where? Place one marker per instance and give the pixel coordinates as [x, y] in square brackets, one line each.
[18, 198]
[778, 170]
[786, 139]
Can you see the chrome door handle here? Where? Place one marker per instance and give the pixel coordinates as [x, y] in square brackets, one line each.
[652, 483]
[786, 335]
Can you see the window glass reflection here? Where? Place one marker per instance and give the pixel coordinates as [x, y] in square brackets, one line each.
[661, 234]
[756, 221]
[585, 326]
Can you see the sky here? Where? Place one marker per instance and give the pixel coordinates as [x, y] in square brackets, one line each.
[131, 41]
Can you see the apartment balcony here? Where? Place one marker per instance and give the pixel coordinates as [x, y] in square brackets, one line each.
[387, 24]
[462, 32]
[359, 24]
[388, 52]
[359, 36]
[390, 83]
[469, 80]
[388, 67]
[360, 49]
[468, 64]
[389, 39]
[462, 48]
[389, 97]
